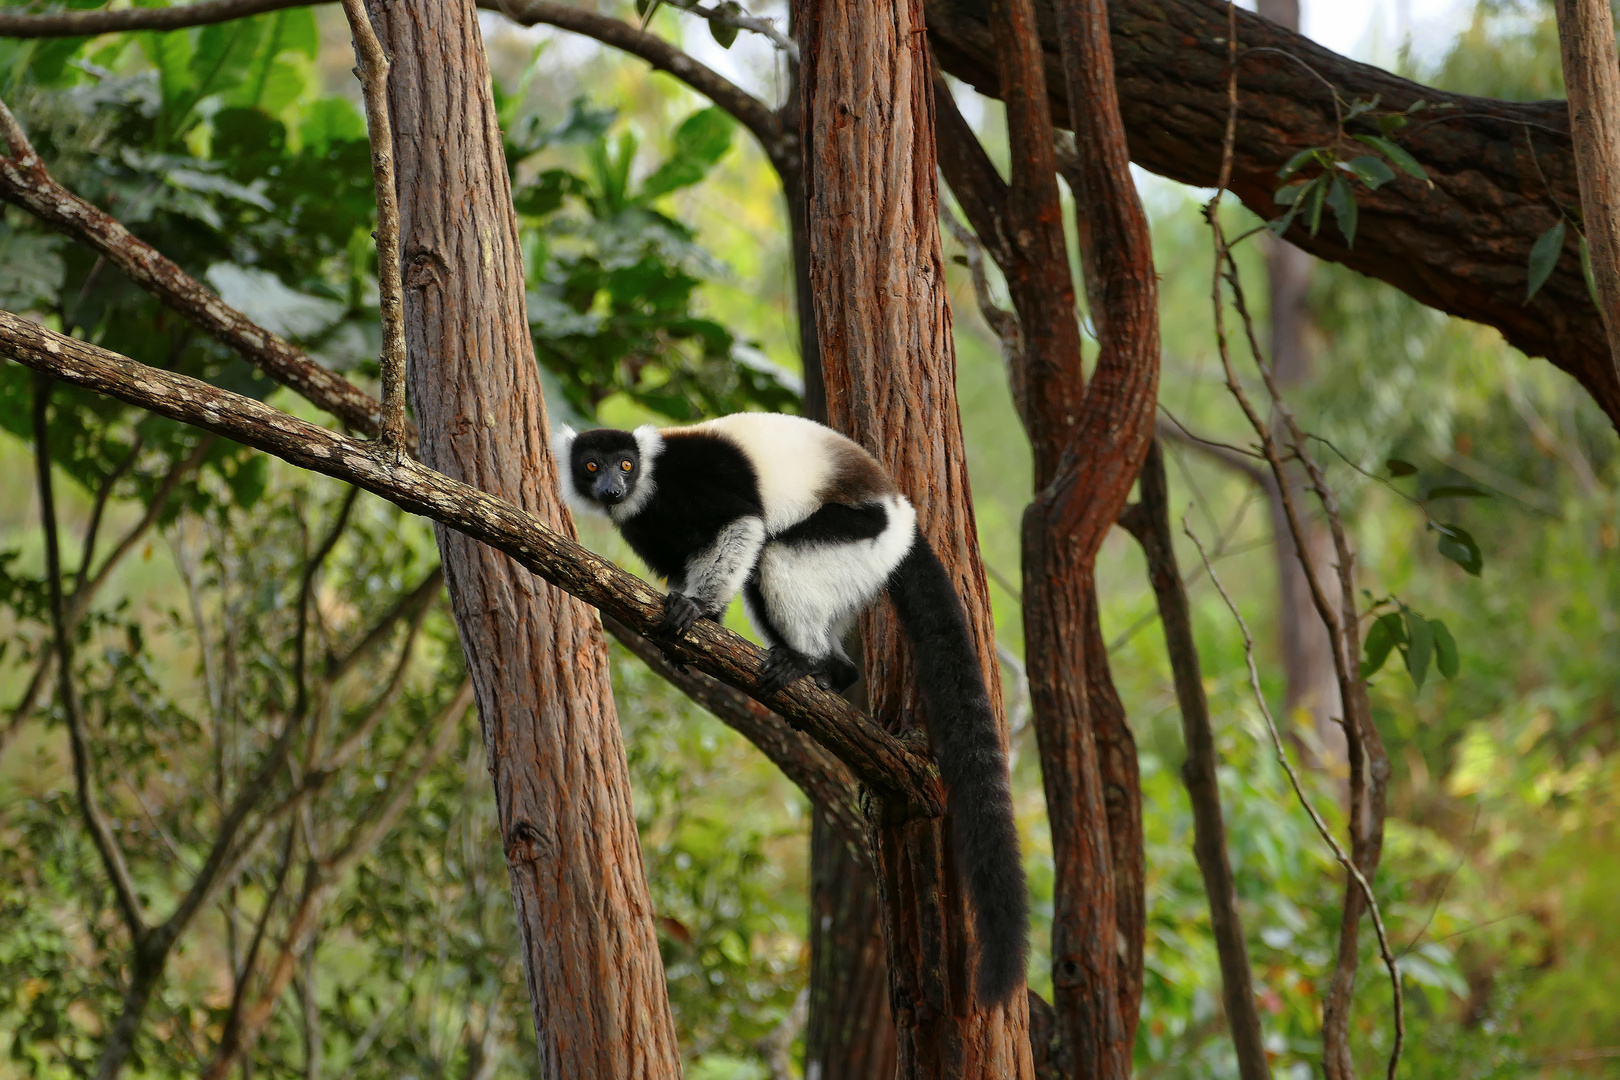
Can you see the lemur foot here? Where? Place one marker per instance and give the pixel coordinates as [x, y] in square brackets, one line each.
[837, 674]
[680, 612]
[782, 666]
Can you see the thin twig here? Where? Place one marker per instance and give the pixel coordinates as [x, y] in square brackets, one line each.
[1304, 800]
[101, 834]
[372, 71]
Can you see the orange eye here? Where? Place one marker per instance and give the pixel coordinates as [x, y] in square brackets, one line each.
[625, 465]
[590, 466]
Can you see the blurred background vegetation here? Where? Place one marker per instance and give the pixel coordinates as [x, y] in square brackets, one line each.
[660, 288]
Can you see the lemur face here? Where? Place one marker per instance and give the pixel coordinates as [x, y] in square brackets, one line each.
[605, 465]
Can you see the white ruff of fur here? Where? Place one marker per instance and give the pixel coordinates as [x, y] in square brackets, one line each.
[562, 455]
[813, 591]
[649, 444]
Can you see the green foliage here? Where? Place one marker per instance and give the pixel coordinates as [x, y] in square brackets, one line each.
[613, 279]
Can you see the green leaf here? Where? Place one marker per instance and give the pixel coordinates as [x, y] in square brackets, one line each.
[1544, 256]
[1396, 153]
[1460, 547]
[1420, 647]
[1361, 105]
[1298, 162]
[1381, 638]
[1391, 123]
[171, 55]
[1445, 650]
[1457, 491]
[701, 141]
[1288, 194]
[1586, 272]
[1343, 202]
[1313, 207]
[1369, 170]
[723, 33]
[1397, 467]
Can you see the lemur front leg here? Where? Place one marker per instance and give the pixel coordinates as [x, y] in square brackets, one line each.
[713, 576]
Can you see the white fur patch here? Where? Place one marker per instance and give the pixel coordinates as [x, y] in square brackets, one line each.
[812, 591]
[562, 453]
[716, 574]
[792, 457]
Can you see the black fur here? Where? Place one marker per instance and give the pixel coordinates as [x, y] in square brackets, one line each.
[836, 522]
[701, 485]
[971, 762]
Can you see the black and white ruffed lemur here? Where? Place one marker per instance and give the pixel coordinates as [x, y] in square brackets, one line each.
[810, 528]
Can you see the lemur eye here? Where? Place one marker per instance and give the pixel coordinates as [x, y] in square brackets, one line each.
[590, 466]
[625, 465]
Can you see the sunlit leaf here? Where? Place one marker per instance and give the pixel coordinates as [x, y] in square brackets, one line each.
[1369, 170]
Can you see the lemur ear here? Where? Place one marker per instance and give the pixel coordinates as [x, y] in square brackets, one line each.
[562, 445]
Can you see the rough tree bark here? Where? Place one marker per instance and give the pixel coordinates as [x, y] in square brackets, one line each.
[537, 657]
[1586, 40]
[889, 368]
[1461, 246]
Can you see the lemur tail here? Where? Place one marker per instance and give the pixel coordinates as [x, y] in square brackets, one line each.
[971, 762]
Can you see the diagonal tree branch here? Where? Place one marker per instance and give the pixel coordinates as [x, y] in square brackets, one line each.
[895, 769]
[820, 775]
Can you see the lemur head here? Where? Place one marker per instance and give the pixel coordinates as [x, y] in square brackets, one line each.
[607, 469]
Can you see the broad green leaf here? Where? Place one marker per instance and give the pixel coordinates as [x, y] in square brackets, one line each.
[702, 140]
[1397, 153]
[1397, 467]
[1369, 170]
[171, 55]
[1391, 123]
[1314, 201]
[1458, 545]
[1288, 194]
[1457, 491]
[1343, 202]
[1544, 256]
[329, 120]
[1445, 650]
[1420, 646]
[270, 82]
[1298, 162]
[724, 34]
[1381, 638]
[224, 55]
[1586, 272]
[48, 65]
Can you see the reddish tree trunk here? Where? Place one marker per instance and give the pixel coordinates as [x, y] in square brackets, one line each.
[536, 657]
[889, 369]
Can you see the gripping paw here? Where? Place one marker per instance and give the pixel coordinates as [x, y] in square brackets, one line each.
[781, 667]
[837, 675]
[680, 612]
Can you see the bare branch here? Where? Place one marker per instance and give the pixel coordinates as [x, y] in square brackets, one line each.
[1304, 800]
[373, 75]
[1149, 522]
[25, 182]
[411, 606]
[87, 551]
[734, 16]
[895, 769]
[17, 24]
[101, 834]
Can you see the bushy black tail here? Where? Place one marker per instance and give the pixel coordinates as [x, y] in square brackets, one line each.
[972, 763]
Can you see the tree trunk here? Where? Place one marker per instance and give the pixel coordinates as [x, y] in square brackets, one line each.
[536, 657]
[850, 1035]
[889, 368]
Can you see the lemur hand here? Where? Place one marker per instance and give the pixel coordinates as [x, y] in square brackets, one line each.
[680, 612]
